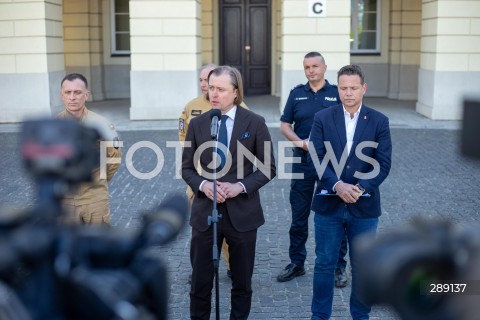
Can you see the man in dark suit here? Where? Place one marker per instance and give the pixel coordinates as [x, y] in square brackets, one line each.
[238, 199]
[355, 142]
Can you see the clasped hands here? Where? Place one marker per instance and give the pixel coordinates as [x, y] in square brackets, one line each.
[349, 193]
[225, 190]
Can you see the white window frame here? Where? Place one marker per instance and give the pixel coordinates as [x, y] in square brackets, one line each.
[354, 30]
[114, 31]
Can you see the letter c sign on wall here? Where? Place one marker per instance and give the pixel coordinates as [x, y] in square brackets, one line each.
[317, 8]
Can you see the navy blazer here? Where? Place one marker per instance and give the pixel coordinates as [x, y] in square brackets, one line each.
[251, 133]
[365, 164]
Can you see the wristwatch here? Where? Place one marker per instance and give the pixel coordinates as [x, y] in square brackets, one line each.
[359, 186]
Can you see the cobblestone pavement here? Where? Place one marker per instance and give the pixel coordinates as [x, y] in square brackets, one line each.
[429, 178]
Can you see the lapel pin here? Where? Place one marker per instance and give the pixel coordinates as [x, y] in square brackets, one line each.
[245, 135]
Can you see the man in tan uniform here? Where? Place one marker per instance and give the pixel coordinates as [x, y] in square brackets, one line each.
[90, 201]
[193, 109]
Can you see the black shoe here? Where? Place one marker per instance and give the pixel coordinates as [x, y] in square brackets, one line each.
[229, 274]
[341, 278]
[291, 271]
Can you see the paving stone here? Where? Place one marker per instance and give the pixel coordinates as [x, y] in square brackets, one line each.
[429, 178]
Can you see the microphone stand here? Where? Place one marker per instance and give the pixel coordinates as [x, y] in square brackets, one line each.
[213, 219]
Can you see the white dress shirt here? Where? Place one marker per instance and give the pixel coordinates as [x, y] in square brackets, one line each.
[229, 124]
[350, 125]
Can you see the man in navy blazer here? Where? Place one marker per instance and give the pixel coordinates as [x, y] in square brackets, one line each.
[351, 148]
[237, 192]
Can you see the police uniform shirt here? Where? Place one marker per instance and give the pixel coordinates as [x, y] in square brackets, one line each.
[303, 103]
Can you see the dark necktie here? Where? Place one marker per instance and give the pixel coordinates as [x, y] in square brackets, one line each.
[223, 139]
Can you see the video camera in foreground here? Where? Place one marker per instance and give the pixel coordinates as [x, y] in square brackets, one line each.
[50, 270]
[431, 269]
[428, 271]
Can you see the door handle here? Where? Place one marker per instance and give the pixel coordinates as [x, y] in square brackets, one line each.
[247, 50]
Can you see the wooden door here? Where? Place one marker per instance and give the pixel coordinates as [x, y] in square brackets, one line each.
[245, 41]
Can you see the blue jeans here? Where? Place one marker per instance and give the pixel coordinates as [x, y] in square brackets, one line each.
[301, 194]
[329, 232]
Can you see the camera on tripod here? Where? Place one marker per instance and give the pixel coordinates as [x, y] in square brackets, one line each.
[50, 270]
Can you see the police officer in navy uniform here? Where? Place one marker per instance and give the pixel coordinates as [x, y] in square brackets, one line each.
[303, 102]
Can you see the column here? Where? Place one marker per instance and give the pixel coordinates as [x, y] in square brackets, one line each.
[83, 42]
[31, 58]
[406, 20]
[450, 57]
[165, 57]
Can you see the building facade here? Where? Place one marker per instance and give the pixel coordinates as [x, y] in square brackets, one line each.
[150, 51]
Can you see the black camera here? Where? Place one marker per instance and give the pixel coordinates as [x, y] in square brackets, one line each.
[470, 145]
[60, 149]
[49, 270]
[431, 269]
[428, 271]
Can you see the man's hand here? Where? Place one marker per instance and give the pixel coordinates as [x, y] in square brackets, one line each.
[231, 190]
[207, 188]
[348, 192]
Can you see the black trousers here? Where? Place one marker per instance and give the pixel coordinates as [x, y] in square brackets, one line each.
[242, 258]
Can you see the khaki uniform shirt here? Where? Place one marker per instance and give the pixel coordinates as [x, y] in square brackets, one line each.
[193, 109]
[97, 190]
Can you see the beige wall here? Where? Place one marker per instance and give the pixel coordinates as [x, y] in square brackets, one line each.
[451, 35]
[165, 57]
[301, 34]
[430, 50]
[450, 57]
[31, 58]
[376, 66]
[116, 68]
[406, 24]
[83, 42]
[208, 31]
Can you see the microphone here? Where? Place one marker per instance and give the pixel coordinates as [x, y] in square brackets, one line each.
[215, 116]
[166, 221]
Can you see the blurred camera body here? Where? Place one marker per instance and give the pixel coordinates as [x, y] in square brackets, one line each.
[403, 269]
[470, 145]
[60, 272]
[60, 149]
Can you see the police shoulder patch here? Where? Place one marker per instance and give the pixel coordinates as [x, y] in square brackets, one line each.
[181, 125]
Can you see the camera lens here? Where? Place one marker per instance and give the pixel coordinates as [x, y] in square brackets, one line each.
[414, 298]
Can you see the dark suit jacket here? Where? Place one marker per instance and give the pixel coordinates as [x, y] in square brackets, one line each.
[329, 126]
[245, 210]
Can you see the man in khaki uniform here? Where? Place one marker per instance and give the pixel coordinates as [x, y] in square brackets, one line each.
[90, 201]
[193, 109]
